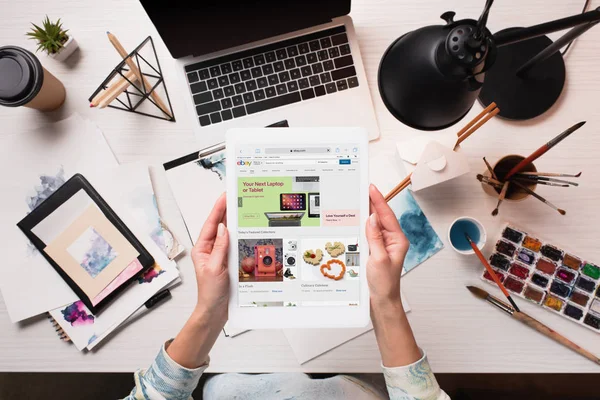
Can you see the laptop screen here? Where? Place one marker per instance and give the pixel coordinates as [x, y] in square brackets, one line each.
[205, 26]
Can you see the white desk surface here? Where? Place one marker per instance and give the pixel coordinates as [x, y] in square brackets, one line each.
[459, 332]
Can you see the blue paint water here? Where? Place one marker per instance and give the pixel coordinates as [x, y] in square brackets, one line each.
[457, 234]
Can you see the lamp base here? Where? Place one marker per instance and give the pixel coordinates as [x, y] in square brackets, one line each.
[522, 98]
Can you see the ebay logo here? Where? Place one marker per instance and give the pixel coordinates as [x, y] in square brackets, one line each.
[244, 163]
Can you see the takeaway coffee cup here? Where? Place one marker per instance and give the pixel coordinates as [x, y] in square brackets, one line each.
[24, 82]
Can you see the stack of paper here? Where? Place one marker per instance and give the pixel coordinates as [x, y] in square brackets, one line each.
[39, 163]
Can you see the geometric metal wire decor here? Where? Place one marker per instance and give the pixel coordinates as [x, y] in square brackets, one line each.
[138, 92]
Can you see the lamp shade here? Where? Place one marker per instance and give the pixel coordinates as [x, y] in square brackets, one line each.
[427, 78]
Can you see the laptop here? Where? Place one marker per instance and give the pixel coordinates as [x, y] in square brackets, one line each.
[251, 63]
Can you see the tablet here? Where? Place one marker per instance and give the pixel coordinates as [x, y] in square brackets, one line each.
[297, 204]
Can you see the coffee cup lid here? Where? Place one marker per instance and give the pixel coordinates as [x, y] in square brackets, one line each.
[21, 76]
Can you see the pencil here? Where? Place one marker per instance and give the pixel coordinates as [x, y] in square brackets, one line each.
[101, 95]
[114, 91]
[477, 126]
[399, 187]
[141, 78]
[477, 118]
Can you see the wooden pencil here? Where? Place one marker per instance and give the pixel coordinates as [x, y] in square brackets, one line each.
[141, 78]
[115, 90]
[398, 188]
[102, 94]
[474, 120]
[477, 126]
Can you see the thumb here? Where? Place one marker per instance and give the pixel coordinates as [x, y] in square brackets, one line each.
[218, 255]
[375, 238]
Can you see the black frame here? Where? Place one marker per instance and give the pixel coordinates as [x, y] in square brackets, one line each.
[76, 183]
[141, 92]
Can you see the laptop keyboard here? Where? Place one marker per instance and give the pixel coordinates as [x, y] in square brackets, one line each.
[271, 76]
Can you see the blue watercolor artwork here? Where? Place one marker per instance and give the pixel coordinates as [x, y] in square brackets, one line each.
[214, 162]
[424, 242]
[48, 185]
[92, 252]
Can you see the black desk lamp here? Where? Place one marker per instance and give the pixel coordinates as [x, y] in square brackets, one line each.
[429, 78]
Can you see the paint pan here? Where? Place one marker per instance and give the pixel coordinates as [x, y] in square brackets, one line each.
[544, 273]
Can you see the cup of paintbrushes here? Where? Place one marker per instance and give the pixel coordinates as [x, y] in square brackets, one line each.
[501, 169]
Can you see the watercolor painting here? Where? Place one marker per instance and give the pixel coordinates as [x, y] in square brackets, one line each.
[424, 242]
[77, 314]
[143, 206]
[151, 274]
[48, 185]
[133, 268]
[92, 252]
[214, 162]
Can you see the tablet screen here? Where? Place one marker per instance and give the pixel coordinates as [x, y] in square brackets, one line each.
[298, 225]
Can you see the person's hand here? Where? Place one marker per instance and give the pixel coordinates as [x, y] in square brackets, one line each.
[195, 340]
[388, 247]
[210, 262]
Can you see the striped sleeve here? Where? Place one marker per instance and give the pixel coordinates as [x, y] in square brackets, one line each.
[165, 379]
[413, 382]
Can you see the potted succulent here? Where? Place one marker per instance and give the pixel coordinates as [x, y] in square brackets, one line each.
[53, 39]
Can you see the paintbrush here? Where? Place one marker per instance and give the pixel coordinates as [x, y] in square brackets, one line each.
[532, 323]
[540, 198]
[490, 271]
[488, 180]
[543, 178]
[539, 182]
[500, 198]
[489, 167]
[551, 174]
[539, 152]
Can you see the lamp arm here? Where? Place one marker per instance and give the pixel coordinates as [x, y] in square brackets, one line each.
[521, 34]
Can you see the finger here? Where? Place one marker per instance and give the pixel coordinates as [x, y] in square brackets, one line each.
[386, 216]
[218, 255]
[209, 230]
[375, 239]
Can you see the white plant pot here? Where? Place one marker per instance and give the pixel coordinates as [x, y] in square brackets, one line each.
[68, 48]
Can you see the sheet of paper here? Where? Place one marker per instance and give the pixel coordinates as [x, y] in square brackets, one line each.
[36, 163]
[139, 313]
[196, 186]
[308, 344]
[410, 151]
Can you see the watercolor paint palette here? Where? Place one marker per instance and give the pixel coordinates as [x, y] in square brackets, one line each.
[547, 275]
